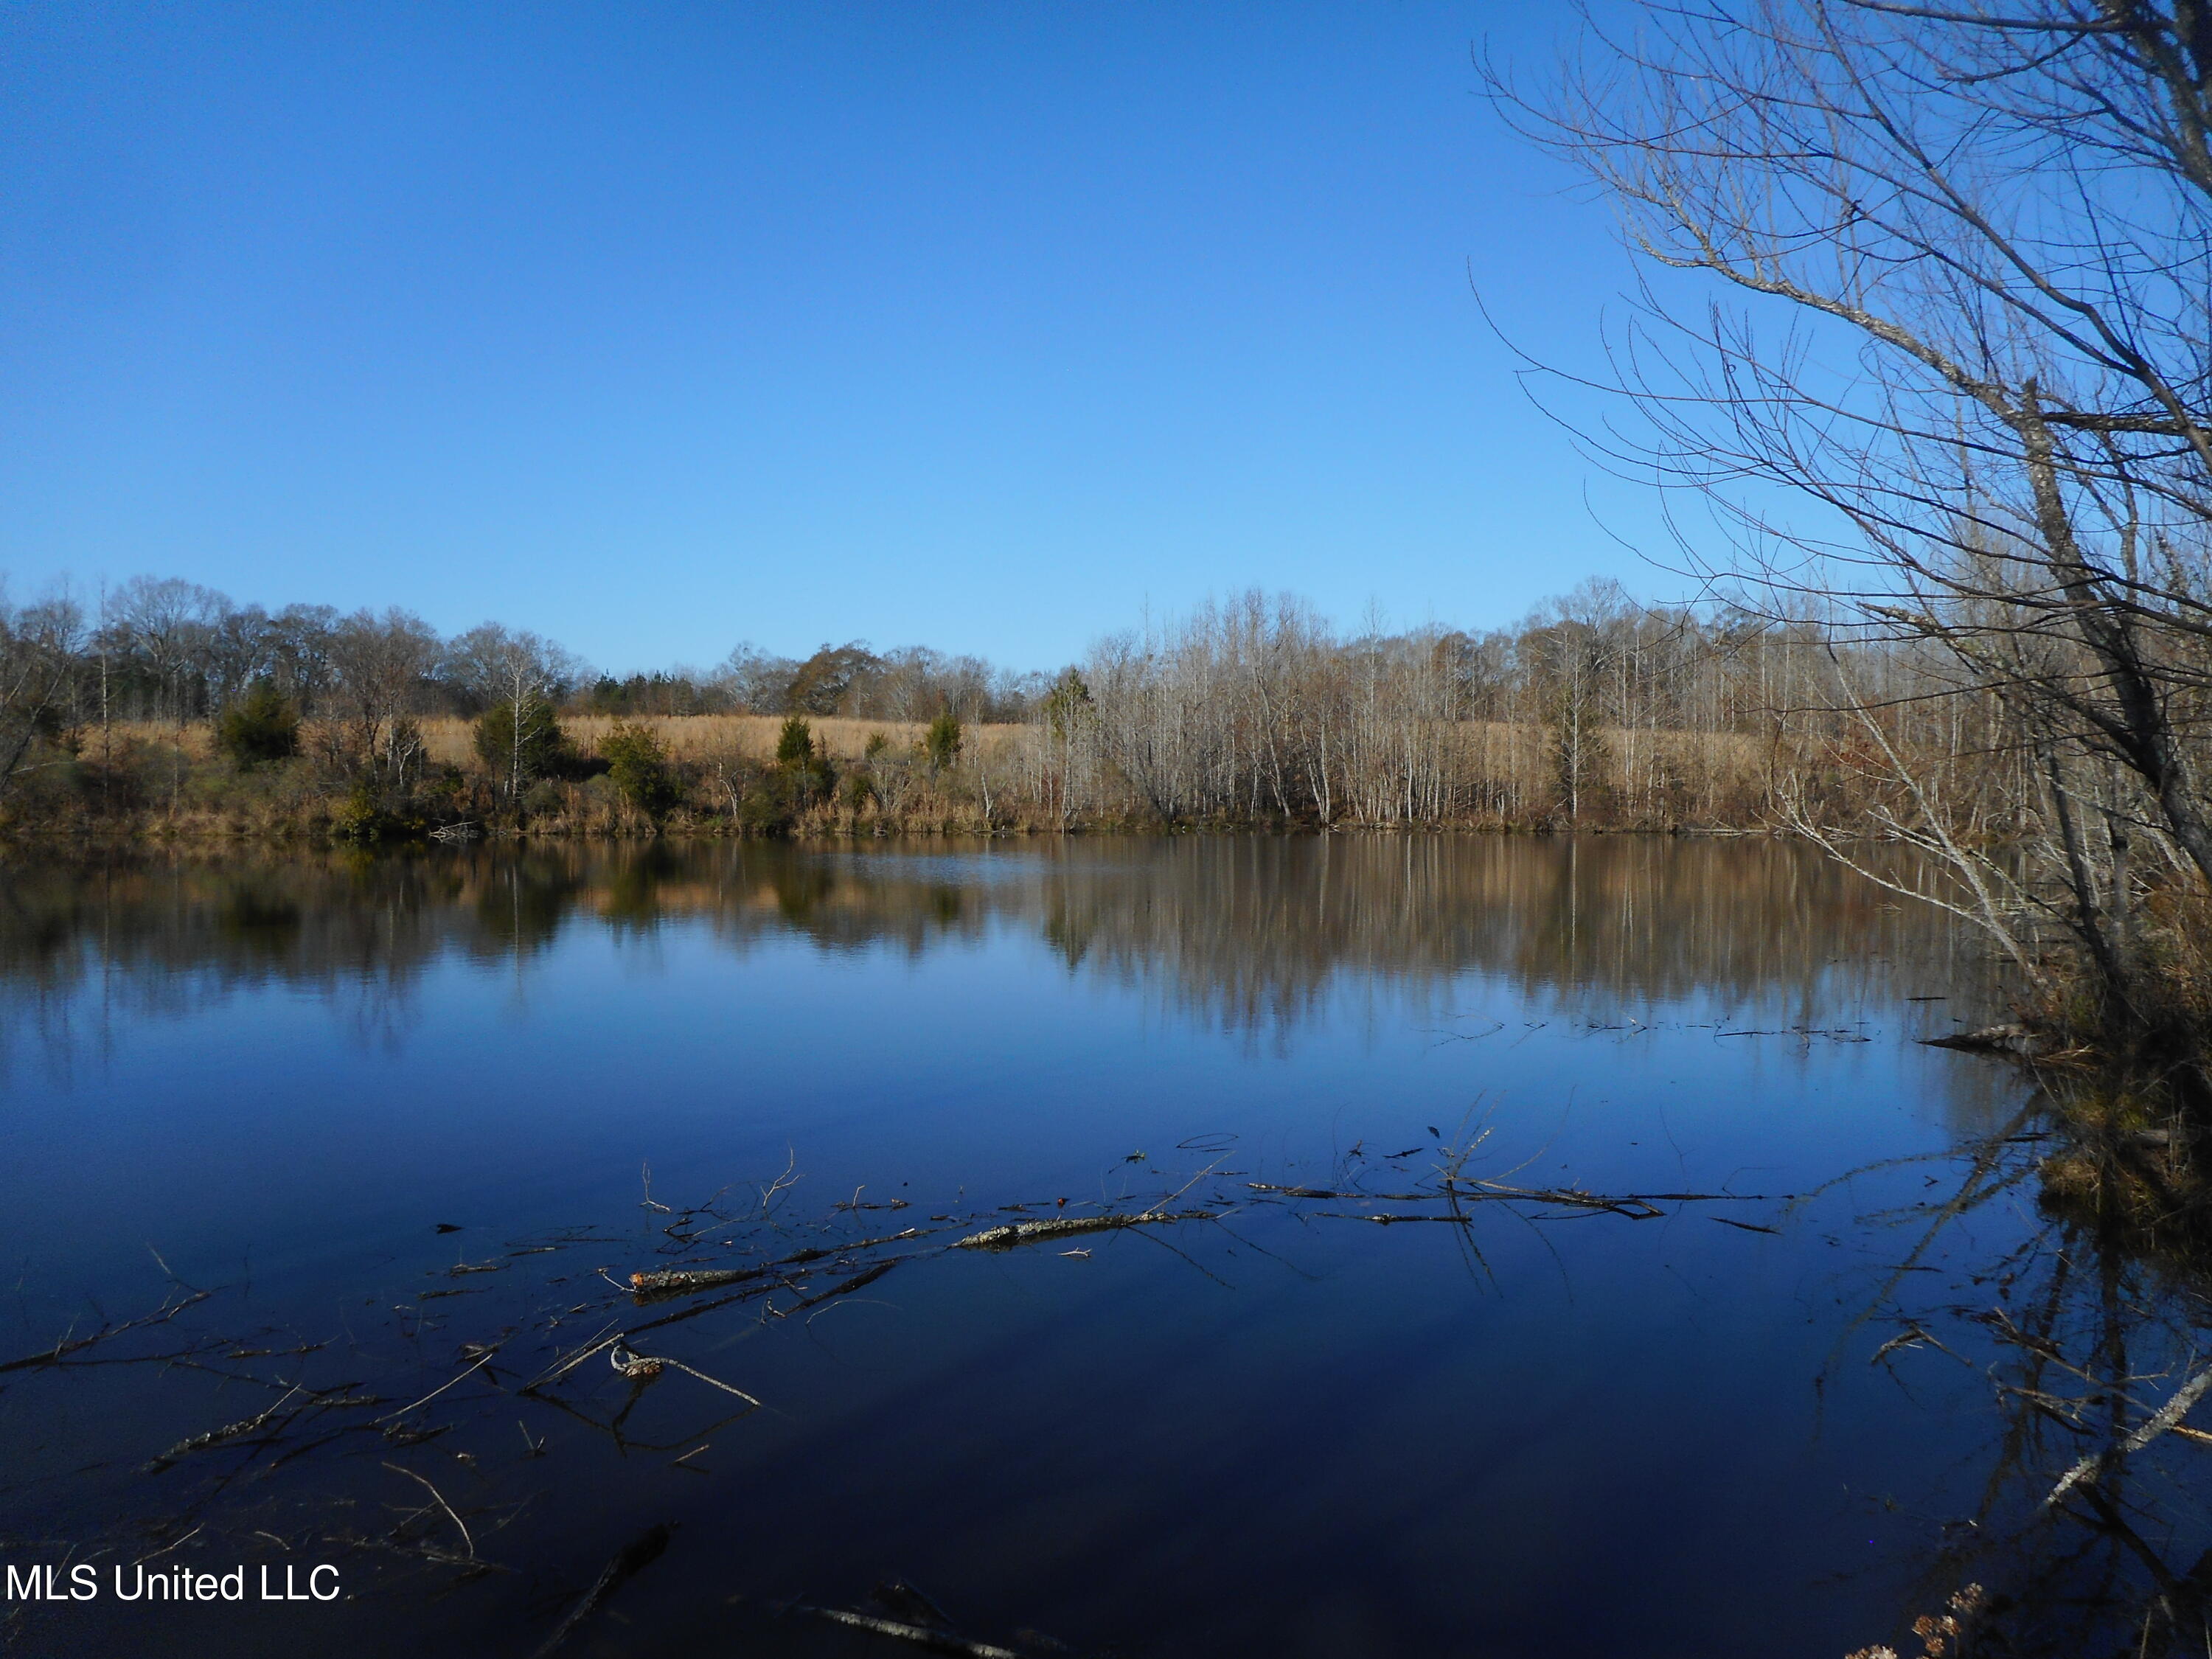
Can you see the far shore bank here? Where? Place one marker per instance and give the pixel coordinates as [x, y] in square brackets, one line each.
[817, 779]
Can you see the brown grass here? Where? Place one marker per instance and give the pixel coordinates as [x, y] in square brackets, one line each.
[686, 737]
[700, 737]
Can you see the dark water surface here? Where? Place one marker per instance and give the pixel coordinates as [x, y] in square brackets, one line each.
[1552, 1431]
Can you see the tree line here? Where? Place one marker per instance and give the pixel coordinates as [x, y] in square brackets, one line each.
[162, 648]
[1595, 711]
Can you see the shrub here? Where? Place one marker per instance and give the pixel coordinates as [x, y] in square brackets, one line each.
[260, 728]
[541, 751]
[772, 802]
[802, 770]
[638, 768]
[795, 745]
[940, 744]
[360, 818]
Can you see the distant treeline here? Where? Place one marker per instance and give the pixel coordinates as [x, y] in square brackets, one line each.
[170, 707]
[164, 649]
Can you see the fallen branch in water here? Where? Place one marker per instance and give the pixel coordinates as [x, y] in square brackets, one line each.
[682, 1281]
[63, 1349]
[1031, 1232]
[452, 1514]
[482, 1361]
[1634, 1206]
[2097, 1464]
[847, 1286]
[635, 1556]
[228, 1432]
[1327, 1192]
[936, 1641]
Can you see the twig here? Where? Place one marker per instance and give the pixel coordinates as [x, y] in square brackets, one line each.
[484, 1360]
[443, 1504]
[711, 1383]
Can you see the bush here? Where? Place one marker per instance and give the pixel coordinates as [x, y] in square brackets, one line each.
[638, 768]
[795, 745]
[772, 802]
[543, 750]
[362, 817]
[940, 744]
[802, 772]
[259, 729]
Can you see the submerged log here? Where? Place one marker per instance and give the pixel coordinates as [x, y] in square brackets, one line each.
[682, 1281]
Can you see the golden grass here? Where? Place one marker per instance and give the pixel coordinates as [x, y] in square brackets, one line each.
[686, 737]
[701, 737]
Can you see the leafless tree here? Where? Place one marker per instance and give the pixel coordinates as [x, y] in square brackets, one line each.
[380, 665]
[1942, 274]
[490, 664]
[39, 648]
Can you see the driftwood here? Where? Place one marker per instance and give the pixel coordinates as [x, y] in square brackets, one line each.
[1034, 1232]
[2093, 1466]
[682, 1281]
[921, 1636]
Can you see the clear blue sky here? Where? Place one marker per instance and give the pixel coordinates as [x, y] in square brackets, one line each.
[655, 327]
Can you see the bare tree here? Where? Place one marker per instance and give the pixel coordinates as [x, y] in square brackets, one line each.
[164, 628]
[491, 664]
[1941, 272]
[380, 665]
[39, 645]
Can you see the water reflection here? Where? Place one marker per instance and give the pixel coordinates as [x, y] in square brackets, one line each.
[289, 1073]
[1249, 935]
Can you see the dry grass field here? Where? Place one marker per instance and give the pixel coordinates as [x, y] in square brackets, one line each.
[702, 737]
[686, 737]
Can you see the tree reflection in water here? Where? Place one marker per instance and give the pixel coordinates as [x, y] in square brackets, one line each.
[2092, 1532]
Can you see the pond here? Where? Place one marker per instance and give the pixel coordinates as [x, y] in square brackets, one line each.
[347, 1131]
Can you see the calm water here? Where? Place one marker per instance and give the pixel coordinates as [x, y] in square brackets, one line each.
[1552, 1431]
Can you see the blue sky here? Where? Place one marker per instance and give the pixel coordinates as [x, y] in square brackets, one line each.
[656, 327]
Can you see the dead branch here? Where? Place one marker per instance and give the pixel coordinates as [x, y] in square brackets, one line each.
[633, 1557]
[450, 1514]
[1032, 1232]
[228, 1432]
[69, 1345]
[2097, 1465]
[936, 1641]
